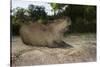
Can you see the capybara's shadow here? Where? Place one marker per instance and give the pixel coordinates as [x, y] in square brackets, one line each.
[62, 44]
[56, 44]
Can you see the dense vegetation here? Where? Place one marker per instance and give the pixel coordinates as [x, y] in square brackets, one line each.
[83, 16]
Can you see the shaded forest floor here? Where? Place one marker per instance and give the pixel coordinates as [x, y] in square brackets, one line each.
[83, 50]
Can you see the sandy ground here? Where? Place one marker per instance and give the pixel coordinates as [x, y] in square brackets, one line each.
[83, 50]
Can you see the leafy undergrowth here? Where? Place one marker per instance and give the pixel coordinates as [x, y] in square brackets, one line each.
[83, 50]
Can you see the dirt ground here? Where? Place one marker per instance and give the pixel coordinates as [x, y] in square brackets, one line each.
[83, 50]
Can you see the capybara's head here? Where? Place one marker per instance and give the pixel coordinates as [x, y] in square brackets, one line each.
[61, 24]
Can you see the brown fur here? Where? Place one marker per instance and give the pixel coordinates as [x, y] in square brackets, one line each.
[50, 35]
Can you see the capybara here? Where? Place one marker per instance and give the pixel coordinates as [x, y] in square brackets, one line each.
[50, 35]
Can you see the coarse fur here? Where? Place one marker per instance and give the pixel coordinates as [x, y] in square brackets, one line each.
[50, 35]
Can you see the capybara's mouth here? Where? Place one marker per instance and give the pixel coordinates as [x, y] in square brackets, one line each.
[64, 30]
